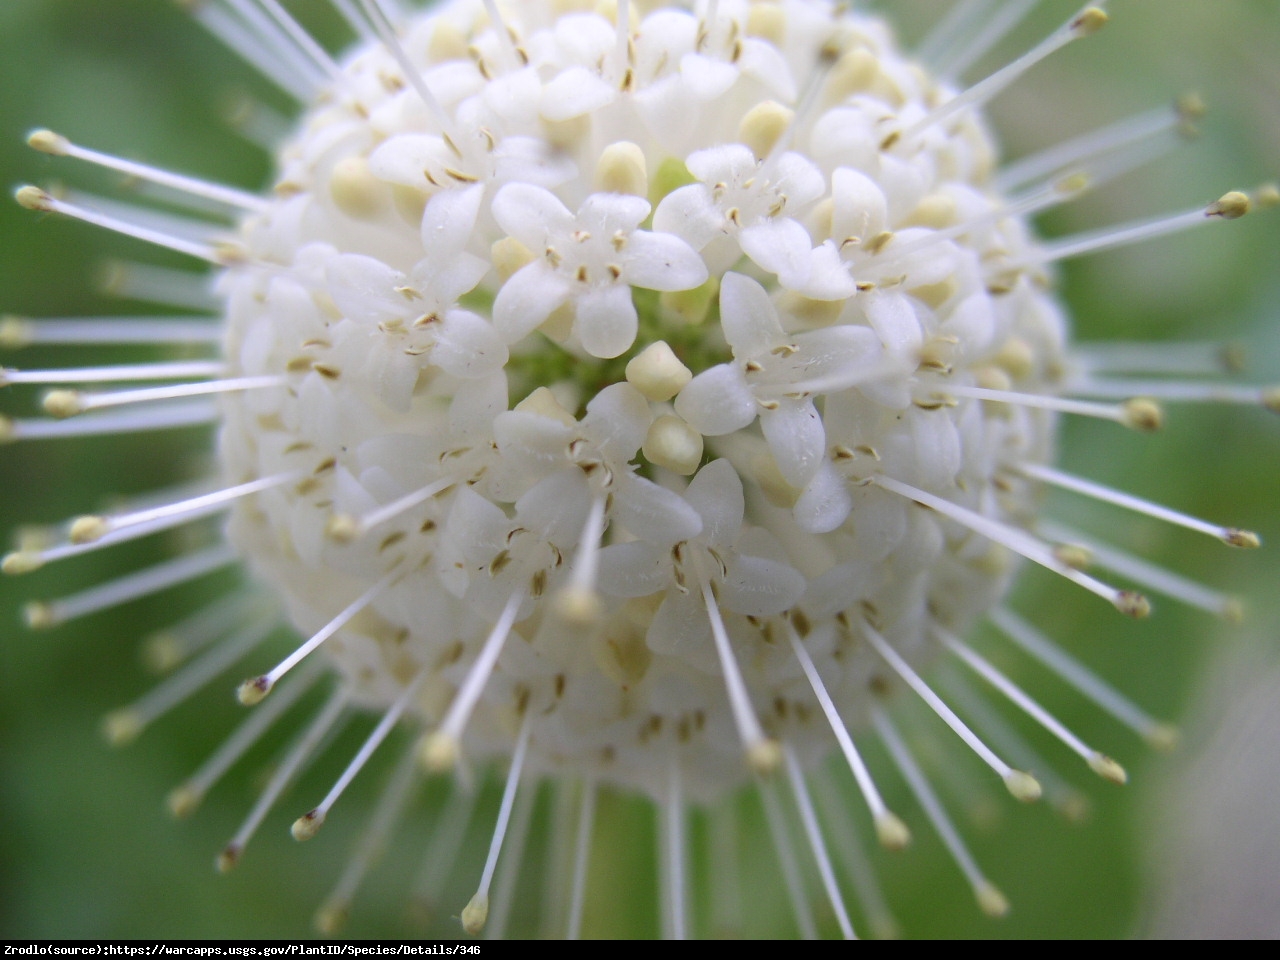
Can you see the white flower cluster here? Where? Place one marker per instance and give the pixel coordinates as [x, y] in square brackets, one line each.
[610, 353]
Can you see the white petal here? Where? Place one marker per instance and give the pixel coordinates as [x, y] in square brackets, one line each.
[575, 92]
[556, 507]
[449, 219]
[617, 420]
[748, 316]
[705, 78]
[894, 320]
[530, 160]
[721, 163]
[764, 62]
[466, 346]
[447, 279]
[758, 587]
[825, 502]
[688, 212]
[634, 569]
[605, 214]
[800, 180]
[532, 442]
[716, 493]
[829, 277]
[680, 628]
[476, 403]
[781, 246]
[527, 299]
[796, 438]
[605, 321]
[662, 261]
[653, 513]
[717, 401]
[364, 288]
[406, 158]
[531, 214]
[860, 208]
[836, 358]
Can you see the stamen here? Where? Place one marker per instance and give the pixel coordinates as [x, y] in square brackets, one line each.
[1160, 735]
[17, 332]
[46, 141]
[1086, 22]
[1186, 358]
[1148, 575]
[309, 824]
[183, 370]
[809, 820]
[184, 289]
[1135, 414]
[442, 851]
[186, 797]
[1021, 785]
[123, 726]
[556, 880]
[1101, 764]
[476, 911]
[672, 881]
[510, 57]
[195, 223]
[1179, 391]
[581, 855]
[440, 749]
[252, 691]
[1230, 206]
[943, 40]
[985, 33]
[578, 602]
[279, 62]
[301, 753]
[70, 403]
[91, 529]
[344, 529]
[386, 32]
[356, 22]
[294, 31]
[1229, 535]
[259, 125]
[786, 857]
[332, 916]
[162, 417]
[990, 900]
[504, 893]
[168, 647]
[45, 614]
[622, 41]
[1021, 542]
[890, 829]
[763, 754]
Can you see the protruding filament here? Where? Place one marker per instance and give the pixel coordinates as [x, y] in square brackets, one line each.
[1104, 766]
[1127, 602]
[387, 34]
[70, 403]
[990, 900]
[581, 857]
[1158, 734]
[344, 528]
[476, 911]
[809, 819]
[579, 602]
[16, 332]
[298, 756]
[509, 870]
[762, 752]
[185, 370]
[169, 416]
[673, 881]
[278, 62]
[185, 289]
[1021, 785]
[446, 840]
[1123, 413]
[893, 833]
[252, 691]
[294, 31]
[306, 826]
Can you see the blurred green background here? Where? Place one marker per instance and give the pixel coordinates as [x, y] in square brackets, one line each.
[86, 849]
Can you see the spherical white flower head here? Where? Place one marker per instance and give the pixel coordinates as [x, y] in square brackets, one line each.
[616, 359]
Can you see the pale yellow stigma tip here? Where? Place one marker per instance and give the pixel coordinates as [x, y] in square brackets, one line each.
[21, 561]
[1142, 413]
[439, 752]
[183, 801]
[1163, 737]
[62, 403]
[307, 825]
[39, 616]
[1232, 611]
[33, 198]
[1133, 604]
[764, 756]
[121, 727]
[46, 141]
[228, 858]
[332, 917]
[1074, 807]
[88, 529]
[1108, 769]
[162, 652]
[990, 900]
[892, 833]
[1271, 399]
[14, 332]
[7, 431]
[341, 528]
[579, 606]
[1229, 206]
[1023, 786]
[1242, 538]
[475, 913]
[1073, 555]
[253, 691]
[1268, 196]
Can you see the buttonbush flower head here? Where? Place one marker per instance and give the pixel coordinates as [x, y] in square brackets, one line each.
[639, 398]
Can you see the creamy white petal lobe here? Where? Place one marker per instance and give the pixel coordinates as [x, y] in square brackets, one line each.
[800, 180]
[529, 160]
[689, 213]
[617, 420]
[449, 219]
[748, 317]
[781, 246]
[404, 159]
[860, 210]
[531, 214]
[466, 346]
[829, 277]
[446, 280]
[706, 78]
[476, 403]
[606, 319]
[527, 299]
[556, 507]
[797, 439]
[680, 627]
[840, 357]
[653, 513]
[894, 320]
[764, 62]
[662, 261]
[758, 587]
[716, 493]
[635, 569]
[364, 288]
[825, 502]
[607, 213]
[717, 401]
